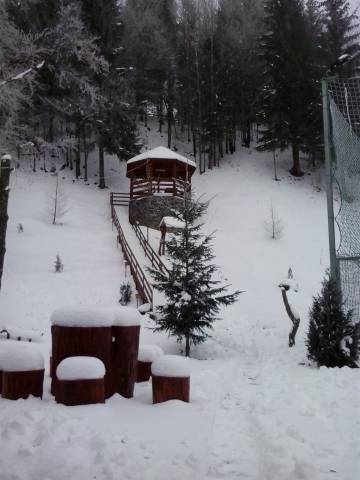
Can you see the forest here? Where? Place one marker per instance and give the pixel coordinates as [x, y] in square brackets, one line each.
[75, 76]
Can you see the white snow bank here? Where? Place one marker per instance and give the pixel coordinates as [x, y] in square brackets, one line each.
[76, 368]
[145, 307]
[126, 316]
[149, 353]
[23, 360]
[4, 354]
[172, 222]
[171, 366]
[22, 333]
[83, 316]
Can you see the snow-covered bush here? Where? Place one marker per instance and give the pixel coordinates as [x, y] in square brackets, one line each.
[58, 264]
[333, 339]
[125, 293]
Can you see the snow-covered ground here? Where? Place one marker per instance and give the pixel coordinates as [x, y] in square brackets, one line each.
[258, 409]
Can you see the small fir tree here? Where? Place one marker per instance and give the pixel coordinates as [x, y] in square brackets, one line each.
[333, 339]
[58, 264]
[193, 297]
[125, 293]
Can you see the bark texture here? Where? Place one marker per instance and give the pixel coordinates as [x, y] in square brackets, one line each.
[80, 392]
[170, 388]
[126, 349]
[4, 199]
[17, 385]
[295, 321]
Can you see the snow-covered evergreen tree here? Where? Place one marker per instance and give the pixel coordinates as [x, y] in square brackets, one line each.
[193, 298]
[333, 338]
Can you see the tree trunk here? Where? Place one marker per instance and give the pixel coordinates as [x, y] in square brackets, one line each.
[101, 167]
[295, 321]
[187, 346]
[80, 392]
[17, 385]
[295, 170]
[5, 171]
[126, 349]
[83, 341]
[77, 153]
[170, 388]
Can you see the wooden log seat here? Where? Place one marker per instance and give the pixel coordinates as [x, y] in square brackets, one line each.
[126, 333]
[146, 356]
[170, 379]
[83, 331]
[23, 374]
[80, 381]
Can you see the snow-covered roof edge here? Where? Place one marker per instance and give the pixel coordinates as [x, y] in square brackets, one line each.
[164, 153]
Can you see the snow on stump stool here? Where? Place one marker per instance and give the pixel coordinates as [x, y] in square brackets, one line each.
[83, 331]
[4, 354]
[23, 374]
[126, 333]
[80, 381]
[170, 379]
[146, 356]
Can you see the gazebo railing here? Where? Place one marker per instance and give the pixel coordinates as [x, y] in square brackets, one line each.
[141, 187]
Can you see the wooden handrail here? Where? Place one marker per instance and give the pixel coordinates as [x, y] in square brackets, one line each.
[149, 252]
[141, 282]
[121, 199]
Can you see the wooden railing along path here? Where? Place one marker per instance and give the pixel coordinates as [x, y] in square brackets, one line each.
[142, 284]
[121, 199]
[149, 251]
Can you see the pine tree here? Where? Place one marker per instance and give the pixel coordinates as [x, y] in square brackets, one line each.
[333, 339]
[193, 297]
[290, 91]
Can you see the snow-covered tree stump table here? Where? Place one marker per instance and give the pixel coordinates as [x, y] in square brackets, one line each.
[126, 333]
[23, 374]
[4, 354]
[83, 331]
[80, 381]
[170, 379]
[146, 356]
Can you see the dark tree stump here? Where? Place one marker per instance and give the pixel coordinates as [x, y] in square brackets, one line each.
[17, 385]
[1, 375]
[125, 349]
[83, 341]
[143, 371]
[80, 392]
[170, 388]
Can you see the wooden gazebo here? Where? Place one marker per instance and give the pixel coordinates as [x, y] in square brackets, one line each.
[159, 172]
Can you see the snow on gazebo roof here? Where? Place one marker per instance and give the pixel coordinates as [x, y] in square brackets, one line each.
[163, 153]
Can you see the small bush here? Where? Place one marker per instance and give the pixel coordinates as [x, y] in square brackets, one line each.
[333, 339]
[20, 228]
[58, 264]
[125, 293]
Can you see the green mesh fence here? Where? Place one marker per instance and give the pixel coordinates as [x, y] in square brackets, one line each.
[344, 99]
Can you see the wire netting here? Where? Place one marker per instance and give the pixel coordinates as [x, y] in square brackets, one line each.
[344, 97]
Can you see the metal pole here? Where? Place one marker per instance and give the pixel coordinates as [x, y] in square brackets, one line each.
[334, 266]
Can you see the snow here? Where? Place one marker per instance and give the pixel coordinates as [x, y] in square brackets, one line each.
[294, 312]
[22, 74]
[172, 222]
[163, 153]
[149, 353]
[126, 316]
[171, 366]
[23, 360]
[76, 368]
[83, 316]
[6, 157]
[145, 307]
[257, 410]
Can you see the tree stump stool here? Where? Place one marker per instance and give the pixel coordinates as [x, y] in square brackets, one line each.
[146, 356]
[23, 374]
[80, 381]
[126, 333]
[170, 379]
[83, 331]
